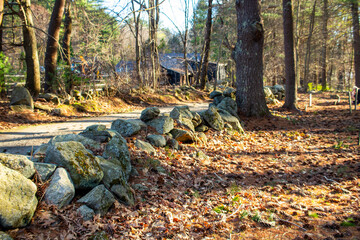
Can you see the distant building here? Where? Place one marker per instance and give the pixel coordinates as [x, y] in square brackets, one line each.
[173, 66]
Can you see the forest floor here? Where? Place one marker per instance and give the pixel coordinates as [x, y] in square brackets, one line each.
[291, 176]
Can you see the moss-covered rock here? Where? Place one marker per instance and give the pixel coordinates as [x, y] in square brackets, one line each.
[117, 152]
[214, 94]
[183, 135]
[83, 168]
[127, 128]
[20, 96]
[145, 146]
[231, 120]
[87, 142]
[163, 124]
[45, 170]
[149, 113]
[213, 118]
[18, 163]
[124, 193]
[229, 105]
[156, 140]
[17, 199]
[98, 133]
[99, 199]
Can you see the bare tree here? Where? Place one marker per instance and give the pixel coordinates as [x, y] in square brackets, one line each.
[67, 33]
[308, 47]
[248, 55]
[206, 49]
[2, 73]
[356, 41]
[290, 94]
[53, 44]
[136, 16]
[154, 14]
[323, 58]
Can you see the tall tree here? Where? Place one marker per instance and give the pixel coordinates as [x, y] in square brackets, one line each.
[206, 49]
[67, 33]
[290, 94]
[248, 55]
[308, 47]
[1, 19]
[154, 14]
[2, 73]
[323, 57]
[66, 41]
[356, 40]
[30, 47]
[136, 16]
[53, 44]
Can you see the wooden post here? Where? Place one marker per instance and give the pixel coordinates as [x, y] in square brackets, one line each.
[310, 100]
[350, 102]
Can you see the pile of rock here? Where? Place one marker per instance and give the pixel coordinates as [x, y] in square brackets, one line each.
[224, 110]
[274, 94]
[97, 160]
[69, 164]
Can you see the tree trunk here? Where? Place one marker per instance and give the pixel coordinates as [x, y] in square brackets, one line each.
[2, 74]
[30, 47]
[248, 55]
[67, 34]
[137, 45]
[290, 94]
[356, 41]
[297, 45]
[185, 58]
[323, 58]
[53, 44]
[153, 24]
[308, 48]
[207, 39]
[66, 45]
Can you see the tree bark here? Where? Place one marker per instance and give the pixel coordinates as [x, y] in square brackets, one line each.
[53, 44]
[207, 39]
[1, 13]
[67, 34]
[137, 45]
[323, 58]
[308, 48]
[2, 74]
[66, 45]
[30, 47]
[154, 13]
[248, 55]
[356, 41]
[290, 94]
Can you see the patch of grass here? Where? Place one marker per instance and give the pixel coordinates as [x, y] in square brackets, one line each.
[256, 217]
[234, 189]
[243, 214]
[340, 144]
[221, 209]
[313, 215]
[350, 222]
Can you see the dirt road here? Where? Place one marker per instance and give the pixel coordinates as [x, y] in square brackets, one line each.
[23, 140]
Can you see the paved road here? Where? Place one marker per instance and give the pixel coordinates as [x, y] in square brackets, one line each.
[23, 140]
